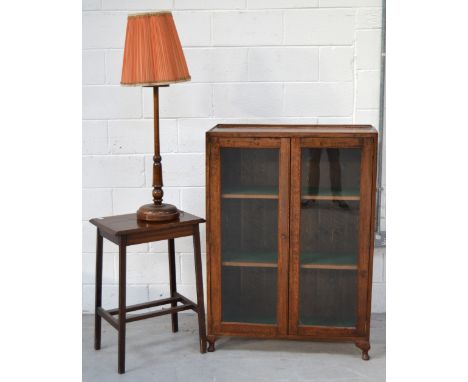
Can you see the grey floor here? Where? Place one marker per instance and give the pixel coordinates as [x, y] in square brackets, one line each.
[154, 353]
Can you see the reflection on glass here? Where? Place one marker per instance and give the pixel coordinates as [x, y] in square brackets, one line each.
[330, 179]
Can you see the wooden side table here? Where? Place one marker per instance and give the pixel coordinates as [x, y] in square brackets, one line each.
[125, 230]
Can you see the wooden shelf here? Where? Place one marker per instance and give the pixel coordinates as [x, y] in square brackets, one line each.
[250, 193]
[248, 264]
[328, 266]
[323, 194]
[323, 260]
[250, 259]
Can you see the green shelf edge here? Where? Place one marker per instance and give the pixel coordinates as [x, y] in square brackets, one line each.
[250, 257]
[324, 258]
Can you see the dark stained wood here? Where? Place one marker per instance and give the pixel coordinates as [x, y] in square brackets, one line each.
[122, 303]
[128, 224]
[161, 312]
[157, 211]
[126, 230]
[98, 292]
[158, 192]
[173, 283]
[149, 304]
[356, 279]
[108, 317]
[199, 285]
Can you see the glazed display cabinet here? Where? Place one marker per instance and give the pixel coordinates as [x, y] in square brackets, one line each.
[290, 231]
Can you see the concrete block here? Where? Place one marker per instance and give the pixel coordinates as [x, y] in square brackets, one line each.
[94, 71]
[108, 102]
[136, 136]
[217, 64]
[188, 290]
[283, 64]
[114, 62]
[194, 28]
[368, 89]
[158, 291]
[137, 5]
[209, 4]
[192, 200]
[148, 268]
[128, 200]
[104, 30]
[187, 268]
[378, 298]
[249, 100]
[192, 134]
[180, 101]
[318, 99]
[113, 171]
[270, 4]
[94, 138]
[350, 3]
[335, 120]
[88, 237]
[91, 5]
[242, 28]
[89, 268]
[266, 120]
[110, 294]
[368, 49]
[369, 18]
[319, 27]
[367, 117]
[179, 170]
[336, 64]
[379, 265]
[96, 202]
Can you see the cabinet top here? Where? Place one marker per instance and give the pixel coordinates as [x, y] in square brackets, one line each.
[284, 130]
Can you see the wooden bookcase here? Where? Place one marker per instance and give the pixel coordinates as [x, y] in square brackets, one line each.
[290, 231]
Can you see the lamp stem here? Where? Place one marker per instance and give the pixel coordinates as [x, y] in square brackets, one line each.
[157, 167]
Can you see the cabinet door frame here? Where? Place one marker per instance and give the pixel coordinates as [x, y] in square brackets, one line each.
[216, 326]
[365, 239]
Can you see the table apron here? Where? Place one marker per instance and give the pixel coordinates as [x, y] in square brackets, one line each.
[146, 237]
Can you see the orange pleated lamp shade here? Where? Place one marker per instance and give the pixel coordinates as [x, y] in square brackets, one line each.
[153, 55]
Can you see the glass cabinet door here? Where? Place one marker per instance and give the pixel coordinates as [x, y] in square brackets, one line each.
[329, 233]
[327, 224]
[250, 249]
[249, 226]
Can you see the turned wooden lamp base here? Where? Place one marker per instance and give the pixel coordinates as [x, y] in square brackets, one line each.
[157, 212]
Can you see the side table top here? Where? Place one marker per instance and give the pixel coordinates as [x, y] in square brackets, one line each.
[128, 224]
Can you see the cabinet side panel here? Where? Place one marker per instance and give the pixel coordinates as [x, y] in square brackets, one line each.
[214, 237]
[365, 234]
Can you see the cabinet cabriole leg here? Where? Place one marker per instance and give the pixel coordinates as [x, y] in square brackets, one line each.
[211, 343]
[365, 347]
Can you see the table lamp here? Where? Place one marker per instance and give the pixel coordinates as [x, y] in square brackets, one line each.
[153, 57]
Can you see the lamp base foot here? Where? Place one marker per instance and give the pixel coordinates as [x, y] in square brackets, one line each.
[157, 213]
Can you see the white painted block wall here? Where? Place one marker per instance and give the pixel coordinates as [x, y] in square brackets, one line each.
[279, 61]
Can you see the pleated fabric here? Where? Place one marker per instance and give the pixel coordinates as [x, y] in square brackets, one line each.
[153, 54]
